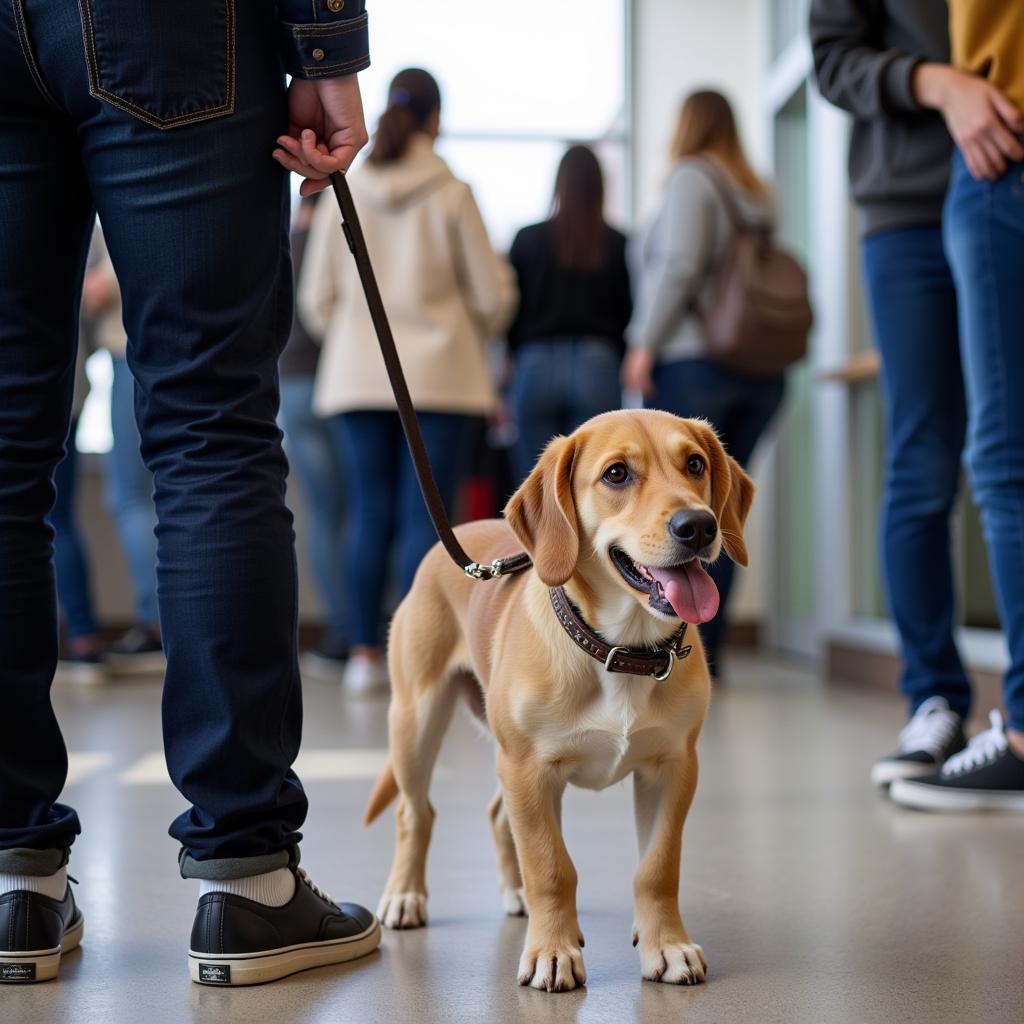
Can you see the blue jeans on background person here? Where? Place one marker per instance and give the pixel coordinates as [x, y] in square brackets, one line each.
[388, 508]
[558, 383]
[196, 220]
[317, 465]
[983, 225]
[739, 408]
[74, 593]
[914, 314]
[130, 496]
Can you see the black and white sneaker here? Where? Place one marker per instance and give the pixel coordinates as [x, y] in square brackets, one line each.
[138, 653]
[986, 776]
[926, 742]
[81, 669]
[36, 932]
[236, 941]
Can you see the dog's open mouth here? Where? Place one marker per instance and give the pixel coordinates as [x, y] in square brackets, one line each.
[685, 590]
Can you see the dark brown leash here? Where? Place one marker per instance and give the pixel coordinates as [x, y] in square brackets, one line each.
[410, 425]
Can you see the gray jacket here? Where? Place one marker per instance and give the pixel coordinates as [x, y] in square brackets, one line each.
[865, 52]
[674, 260]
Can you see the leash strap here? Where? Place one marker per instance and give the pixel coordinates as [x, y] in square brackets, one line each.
[410, 425]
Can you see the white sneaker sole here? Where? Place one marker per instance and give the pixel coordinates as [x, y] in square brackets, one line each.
[27, 966]
[256, 968]
[931, 798]
[884, 773]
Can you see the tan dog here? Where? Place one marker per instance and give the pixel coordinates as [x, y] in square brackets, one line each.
[623, 512]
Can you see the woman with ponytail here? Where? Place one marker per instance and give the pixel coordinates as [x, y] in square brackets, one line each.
[446, 291]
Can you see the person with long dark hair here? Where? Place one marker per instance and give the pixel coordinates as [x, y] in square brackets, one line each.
[446, 291]
[567, 337]
[678, 258]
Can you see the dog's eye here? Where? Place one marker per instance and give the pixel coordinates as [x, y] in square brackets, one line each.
[616, 474]
[695, 465]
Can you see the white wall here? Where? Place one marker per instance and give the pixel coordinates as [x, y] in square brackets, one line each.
[679, 46]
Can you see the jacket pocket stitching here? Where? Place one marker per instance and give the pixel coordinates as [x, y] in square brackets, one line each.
[203, 114]
[321, 29]
[26, 49]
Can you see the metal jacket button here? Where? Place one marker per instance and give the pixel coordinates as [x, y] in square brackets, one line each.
[335, 5]
[318, 54]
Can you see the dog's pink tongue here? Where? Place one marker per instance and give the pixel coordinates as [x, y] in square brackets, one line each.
[690, 590]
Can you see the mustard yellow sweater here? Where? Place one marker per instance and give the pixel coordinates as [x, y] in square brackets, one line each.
[987, 38]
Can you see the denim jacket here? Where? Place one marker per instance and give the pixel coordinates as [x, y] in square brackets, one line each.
[172, 64]
[323, 38]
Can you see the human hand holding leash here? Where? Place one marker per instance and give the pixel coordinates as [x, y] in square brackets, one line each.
[325, 132]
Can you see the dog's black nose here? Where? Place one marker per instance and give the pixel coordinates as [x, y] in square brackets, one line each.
[693, 528]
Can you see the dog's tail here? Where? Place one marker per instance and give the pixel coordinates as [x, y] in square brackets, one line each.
[384, 791]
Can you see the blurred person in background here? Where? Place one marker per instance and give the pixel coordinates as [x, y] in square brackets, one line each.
[129, 484]
[445, 290]
[868, 60]
[981, 98]
[317, 466]
[566, 340]
[676, 259]
[82, 650]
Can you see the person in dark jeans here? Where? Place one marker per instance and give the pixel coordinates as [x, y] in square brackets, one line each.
[879, 61]
[162, 118]
[677, 258]
[574, 304]
[981, 98]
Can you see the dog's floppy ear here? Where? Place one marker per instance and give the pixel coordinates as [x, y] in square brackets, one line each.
[542, 513]
[732, 493]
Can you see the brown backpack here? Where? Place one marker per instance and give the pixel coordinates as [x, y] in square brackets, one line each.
[760, 316]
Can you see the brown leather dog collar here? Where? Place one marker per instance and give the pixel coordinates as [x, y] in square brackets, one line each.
[645, 661]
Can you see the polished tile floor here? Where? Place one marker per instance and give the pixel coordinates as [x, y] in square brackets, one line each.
[815, 899]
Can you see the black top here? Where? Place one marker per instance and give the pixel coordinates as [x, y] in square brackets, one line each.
[302, 352]
[865, 52]
[558, 303]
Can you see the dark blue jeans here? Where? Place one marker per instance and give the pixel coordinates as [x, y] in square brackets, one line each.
[984, 236]
[196, 221]
[913, 309]
[388, 509]
[74, 593]
[740, 409]
[559, 383]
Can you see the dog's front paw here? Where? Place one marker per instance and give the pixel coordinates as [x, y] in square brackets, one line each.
[675, 963]
[403, 910]
[514, 901]
[552, 967]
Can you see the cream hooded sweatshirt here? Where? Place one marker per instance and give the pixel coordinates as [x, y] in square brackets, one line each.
[444, 288]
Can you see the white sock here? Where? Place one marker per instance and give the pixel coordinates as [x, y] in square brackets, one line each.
[54, 886]
[274, 889]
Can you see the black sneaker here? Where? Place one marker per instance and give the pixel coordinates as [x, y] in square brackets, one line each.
[986, 776]
[36, 931]
[138, 653]
[238, 942]
[81, 669]
[325, 662]
[927, 741]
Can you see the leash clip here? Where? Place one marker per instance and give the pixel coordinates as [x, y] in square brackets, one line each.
[476, 571]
